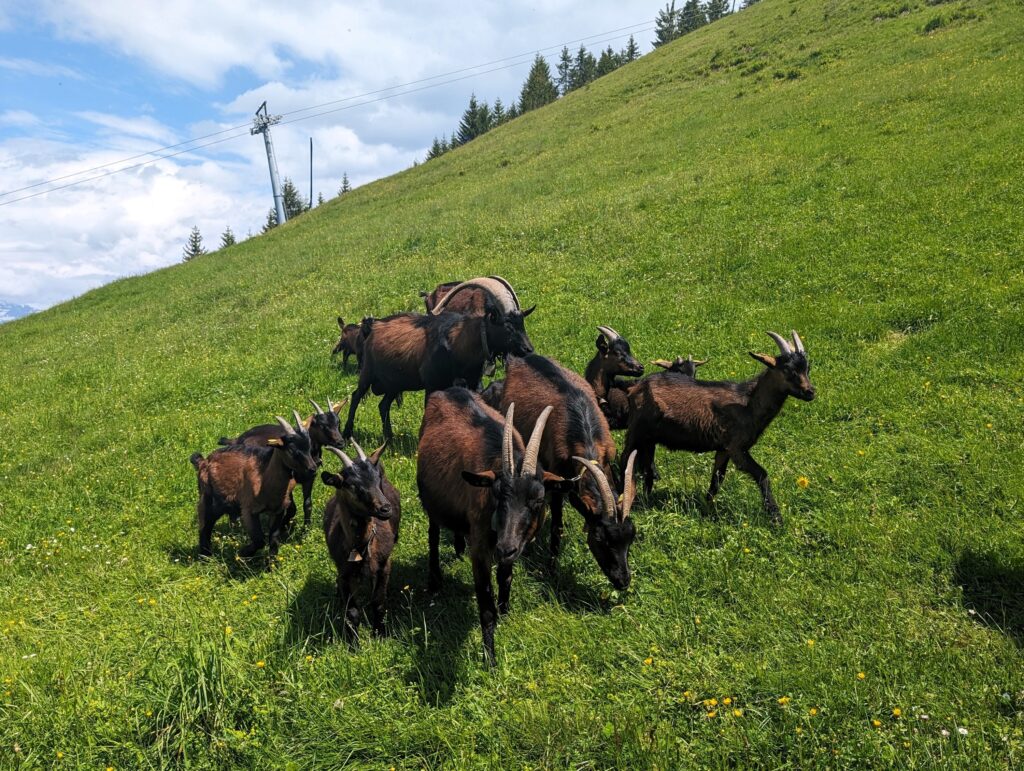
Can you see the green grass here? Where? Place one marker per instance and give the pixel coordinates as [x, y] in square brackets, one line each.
[849, 169]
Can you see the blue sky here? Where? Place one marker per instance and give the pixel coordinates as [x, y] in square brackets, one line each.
[86, 83]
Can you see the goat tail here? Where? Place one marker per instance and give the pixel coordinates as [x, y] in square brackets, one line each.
[224, 441]
[196, 459]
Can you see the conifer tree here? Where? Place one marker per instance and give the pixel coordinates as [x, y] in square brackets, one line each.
[345, 186]
[476, 120]
[271, 222]
[538, 90]
[511, 112]
[584, 68]
[716, 9]
[609, 61]
[631, 52]
[319, 199]
[666, 25]
[691, 17]
[564, 71]
[435, 151]
[194, 245]
[227, 238]
[497, 113]
[748, 3]
[294, 203]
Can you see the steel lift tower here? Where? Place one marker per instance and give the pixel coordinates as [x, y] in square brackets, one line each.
[261, 125]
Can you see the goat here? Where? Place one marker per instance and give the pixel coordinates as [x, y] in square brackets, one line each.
[613, 358]
[475, 478]
[245, 480]
[726, 418]
[577, 428]
[687, 366]
[361, 527]
[350, 343]
[323, 432]
[415, 352]
[472, 302]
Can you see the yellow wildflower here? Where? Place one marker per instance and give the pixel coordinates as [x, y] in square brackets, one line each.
[784, 700]
[648, 661]
[812, 711]
[227, 630]
[60, 755]
[861, 675]
[737, 712]
[810, 643]
[712, 713]
[727, 701]
[260, 664]
[152, 601]
[802, 482]
[876, 723]
[896, 712]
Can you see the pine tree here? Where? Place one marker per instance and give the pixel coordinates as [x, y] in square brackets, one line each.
[609, 61]
[435, 151]
[631, 52]
[564, 71]
[271, 222]
[538, 90]
[748, 3]
[484, 119]
[345, 186]
[584, 68]
[512, 112]
[476, 120]
[716, 9]
[319, 199]
[691, 17]
[498, 113]
[194, 245]
[294, 203]
[227, 238]
[666, 25]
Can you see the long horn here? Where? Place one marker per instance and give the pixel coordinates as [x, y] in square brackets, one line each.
[607, 496]
[344, 458]
[362, 455]
[298, 419]
[285, 425]
[697, 362]
[330, 404]
[798, 343]
[508, 456]
[317, 407]
[533, 448]
[508, 286]
[499, 291]
[781, 342]
[609, 333]
[629, 487]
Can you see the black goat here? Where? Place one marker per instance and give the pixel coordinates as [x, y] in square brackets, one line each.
[612, 360]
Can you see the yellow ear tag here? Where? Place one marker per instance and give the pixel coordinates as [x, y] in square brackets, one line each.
[275, 442]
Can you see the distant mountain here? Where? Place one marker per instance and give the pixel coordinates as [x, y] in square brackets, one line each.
[11, 311]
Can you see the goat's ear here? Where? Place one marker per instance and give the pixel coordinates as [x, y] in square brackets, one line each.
[341, 323]
[764, 358]
[275, 442]
[602, 344]
[337, 407]
[331, 480]
[307, 422]
[558, 484]
[479, 479]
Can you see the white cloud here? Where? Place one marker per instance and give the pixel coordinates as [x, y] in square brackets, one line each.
[34, 68]
[19, 119]
[143, 126]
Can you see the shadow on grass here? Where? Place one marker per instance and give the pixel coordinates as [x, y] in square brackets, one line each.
[314, 617]
[994, 588]
[228, 538]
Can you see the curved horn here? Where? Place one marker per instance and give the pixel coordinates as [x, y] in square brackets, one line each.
[344, 458]
[317, 407]
[607, 496]
[533, 448]
[798, 343]
[508, 286]
[359, 450]
[298, 419]
[781, 342]
[508, 456]
[285, 425]
[609, 333]
[662, 363]
[629, 487]
[697, 362]
[330, 405]
[499, 291]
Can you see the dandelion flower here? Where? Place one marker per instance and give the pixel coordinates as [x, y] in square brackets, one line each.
[648, 661]
[799, 730]
[228, 630]
[712, 713]
[737, 712]
[60, 755]
[309, 659]
[152, 601]
[784, 700]
[802, 482]
[861, 675]
[746, 550]
[896, 712]
[696, 619]
[812, 711]
[876, 722]
[260, 664]
[860, 452]
[727, 701]
[810, 643]
[687, 694]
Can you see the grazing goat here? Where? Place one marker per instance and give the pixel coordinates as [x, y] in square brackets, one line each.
[576, 429]
[323, 428]
[475, 479]
[350, 343]
[613, 358]
[681, 366]
[246, 481]
[415, 352]
[361, 527]
[472, 302]
[726, 418]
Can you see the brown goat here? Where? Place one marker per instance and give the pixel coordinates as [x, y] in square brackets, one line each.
[681, 366]
[361, 526]
[577, 428]
[476, 479]
[415, 352]
[726, 418]
[613, 359]
[323, 428]
[350, 343]
[244, 481]
[472, 302]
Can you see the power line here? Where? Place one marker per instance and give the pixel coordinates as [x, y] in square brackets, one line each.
[158, 158]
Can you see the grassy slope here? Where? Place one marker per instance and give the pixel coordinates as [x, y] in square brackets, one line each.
[872, 201]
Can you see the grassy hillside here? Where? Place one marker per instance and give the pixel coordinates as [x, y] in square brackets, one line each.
[848, 169]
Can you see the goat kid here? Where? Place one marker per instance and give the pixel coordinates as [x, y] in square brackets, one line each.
[612, 360]
[246, 481]
[350, 343]
[723, 417]
[361, 524]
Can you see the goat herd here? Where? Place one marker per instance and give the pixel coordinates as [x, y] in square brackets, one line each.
[475, 475]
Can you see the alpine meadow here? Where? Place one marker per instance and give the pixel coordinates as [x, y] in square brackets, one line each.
[848, 169]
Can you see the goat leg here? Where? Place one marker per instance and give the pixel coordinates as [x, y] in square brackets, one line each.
[434, 560]
[504, 587]
[349, 608]
[206, 519]
[251, 522]
[357, 396]
[718, 474]
[459, 542]
[485, 599]
[746, 463]
[385, 414]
